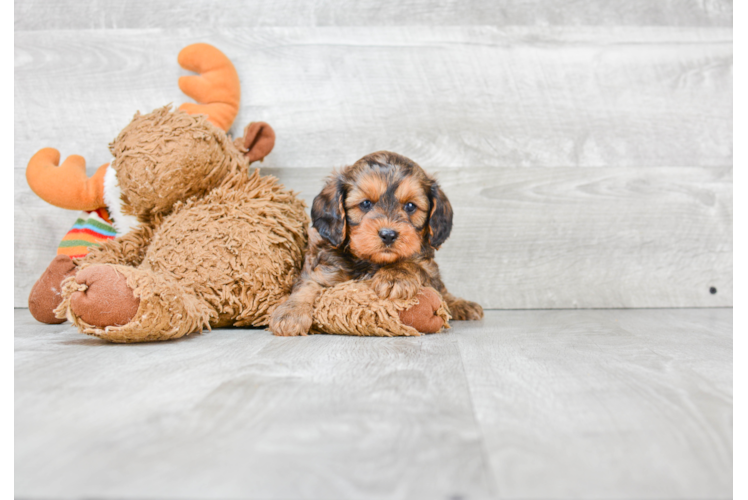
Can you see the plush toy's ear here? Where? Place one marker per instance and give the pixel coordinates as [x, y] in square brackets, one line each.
[258, 141]
[440, 220]
[328, 212]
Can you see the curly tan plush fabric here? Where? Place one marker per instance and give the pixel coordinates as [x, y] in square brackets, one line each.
[353, 308]
[164, 157]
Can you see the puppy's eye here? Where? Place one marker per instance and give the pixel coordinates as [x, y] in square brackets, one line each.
[410, 207]
[365, 205]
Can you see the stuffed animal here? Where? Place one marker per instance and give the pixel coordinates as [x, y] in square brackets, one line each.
[177, 235]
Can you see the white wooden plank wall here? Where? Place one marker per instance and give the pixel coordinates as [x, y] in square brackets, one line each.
[585, 146]
[104, 14]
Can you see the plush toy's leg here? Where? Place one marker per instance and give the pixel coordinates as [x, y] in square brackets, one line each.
[354, 308]
[125, 304]
[45, 295]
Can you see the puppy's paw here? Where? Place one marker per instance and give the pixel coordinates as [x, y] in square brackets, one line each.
[291, 319]
[462, 309]
[393, 284]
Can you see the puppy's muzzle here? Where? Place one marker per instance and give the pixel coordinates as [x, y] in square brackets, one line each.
[388, 236]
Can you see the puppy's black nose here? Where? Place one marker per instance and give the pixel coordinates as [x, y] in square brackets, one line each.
[388, 236]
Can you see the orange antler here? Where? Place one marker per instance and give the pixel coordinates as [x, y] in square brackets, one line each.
[66, 186]
[216, 88]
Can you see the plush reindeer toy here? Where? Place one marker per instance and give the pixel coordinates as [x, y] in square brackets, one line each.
[199, 241]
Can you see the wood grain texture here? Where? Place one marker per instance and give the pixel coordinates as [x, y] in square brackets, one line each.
[531, 237]
[101, 14]
[604, 404]
[242, 414]
[447, 96]
[524, 404]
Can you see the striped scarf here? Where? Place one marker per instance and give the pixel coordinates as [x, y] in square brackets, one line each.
[90, 230]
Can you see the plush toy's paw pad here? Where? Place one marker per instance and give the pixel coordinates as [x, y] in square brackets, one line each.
[45, 295]
[107, 299]
[465, 310]
[291, 319]
[395, 285]
[423, 316]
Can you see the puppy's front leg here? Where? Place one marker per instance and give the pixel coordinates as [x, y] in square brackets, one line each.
[294, 316]
[461, 309]
[397, 281]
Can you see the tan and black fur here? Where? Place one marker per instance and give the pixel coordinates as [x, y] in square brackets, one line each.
[380, 219]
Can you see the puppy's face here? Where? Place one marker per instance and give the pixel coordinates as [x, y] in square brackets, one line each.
[384, 207]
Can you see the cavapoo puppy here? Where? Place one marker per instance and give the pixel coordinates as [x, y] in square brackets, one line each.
[380, 219]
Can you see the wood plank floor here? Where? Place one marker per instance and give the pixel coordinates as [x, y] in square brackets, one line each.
[524, 404]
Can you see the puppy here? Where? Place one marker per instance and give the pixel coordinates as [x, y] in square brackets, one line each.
[380, 219]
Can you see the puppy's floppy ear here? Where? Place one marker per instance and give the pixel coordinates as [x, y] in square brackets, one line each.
[440, 220]
[328, 213]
